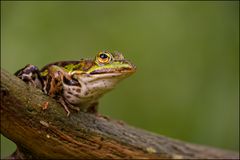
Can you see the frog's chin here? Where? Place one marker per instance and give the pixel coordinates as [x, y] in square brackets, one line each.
[97, 85]
[104, 81]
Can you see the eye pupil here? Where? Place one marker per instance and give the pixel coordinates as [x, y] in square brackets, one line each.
[103, 56]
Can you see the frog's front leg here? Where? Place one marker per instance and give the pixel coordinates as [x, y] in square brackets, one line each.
[66, 105]
[30, 74]
[93, 108]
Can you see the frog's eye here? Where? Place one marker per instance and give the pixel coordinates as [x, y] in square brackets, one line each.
[104, 57]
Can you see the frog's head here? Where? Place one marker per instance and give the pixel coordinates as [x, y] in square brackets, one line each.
[104, 72]
[111, 65]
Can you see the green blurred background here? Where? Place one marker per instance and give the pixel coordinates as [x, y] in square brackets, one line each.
[186, 85]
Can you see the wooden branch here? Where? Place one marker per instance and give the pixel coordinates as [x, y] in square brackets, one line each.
[40, 128]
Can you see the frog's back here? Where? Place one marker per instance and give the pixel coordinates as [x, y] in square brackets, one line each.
[69, 66]
[60, 64]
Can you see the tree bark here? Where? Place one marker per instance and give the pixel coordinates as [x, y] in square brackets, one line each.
[40, 128]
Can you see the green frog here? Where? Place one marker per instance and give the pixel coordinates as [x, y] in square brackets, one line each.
[78, 85]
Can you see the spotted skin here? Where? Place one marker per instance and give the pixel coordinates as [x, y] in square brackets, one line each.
[78, 85]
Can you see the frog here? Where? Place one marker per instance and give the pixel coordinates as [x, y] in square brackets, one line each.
[79, 84]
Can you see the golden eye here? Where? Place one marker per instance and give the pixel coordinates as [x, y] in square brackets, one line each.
[104, 57]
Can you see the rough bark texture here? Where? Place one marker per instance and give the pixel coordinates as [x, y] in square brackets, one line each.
[40, 128]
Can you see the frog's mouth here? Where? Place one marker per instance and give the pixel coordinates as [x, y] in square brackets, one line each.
[113, 70]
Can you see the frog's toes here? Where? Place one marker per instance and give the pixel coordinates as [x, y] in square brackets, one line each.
[73, 107]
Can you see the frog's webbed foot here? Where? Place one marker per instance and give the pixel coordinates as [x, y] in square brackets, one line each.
[30, 74]
[67, 105]
[73, 107]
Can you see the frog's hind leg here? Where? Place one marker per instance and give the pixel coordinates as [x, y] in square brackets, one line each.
[54, 80]
[54, 86]
[30, 74]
